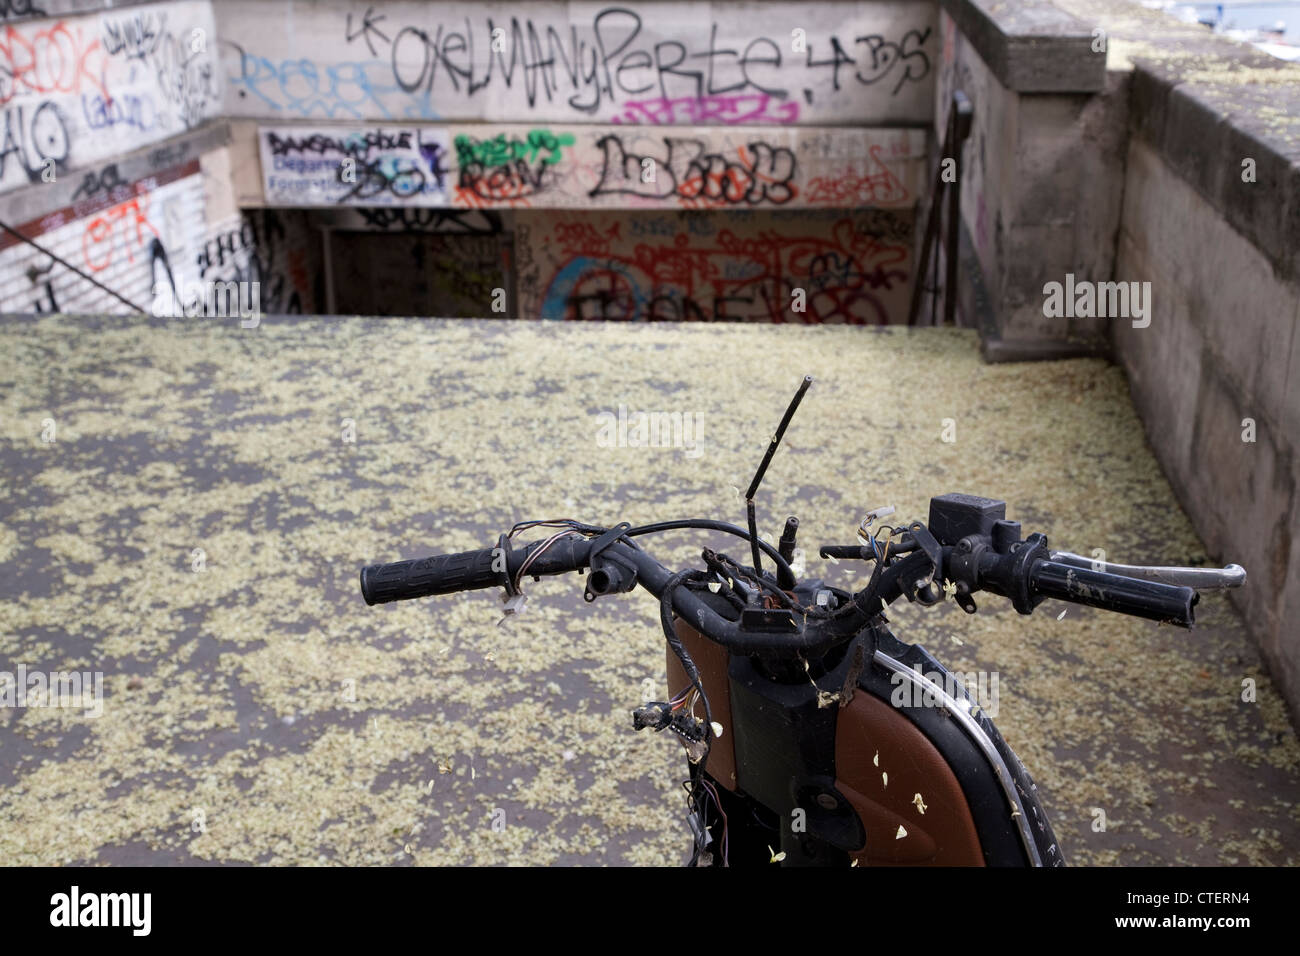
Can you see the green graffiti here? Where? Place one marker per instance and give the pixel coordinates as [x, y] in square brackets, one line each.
[499, 151]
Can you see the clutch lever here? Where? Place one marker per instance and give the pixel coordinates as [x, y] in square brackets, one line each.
[1199, 579]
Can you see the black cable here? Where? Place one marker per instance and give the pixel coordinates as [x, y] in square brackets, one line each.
[707, 524]
[688, 665]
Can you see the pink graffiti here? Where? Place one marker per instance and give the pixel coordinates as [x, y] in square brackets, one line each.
[709, 110]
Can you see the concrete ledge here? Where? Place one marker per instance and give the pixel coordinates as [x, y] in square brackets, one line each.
[23, 205]
[19, 10]
[1208, 111]
[995, 350]
[1206, 103]
[1031, 46]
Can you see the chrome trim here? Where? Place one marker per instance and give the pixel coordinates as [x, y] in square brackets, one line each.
[961, 711]
[1199, 579]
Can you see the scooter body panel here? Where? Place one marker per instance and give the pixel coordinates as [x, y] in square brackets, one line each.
[850, 765]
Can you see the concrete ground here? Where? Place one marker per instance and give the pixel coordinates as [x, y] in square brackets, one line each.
[257, 711]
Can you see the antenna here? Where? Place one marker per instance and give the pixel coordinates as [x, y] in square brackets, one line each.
[762, 470]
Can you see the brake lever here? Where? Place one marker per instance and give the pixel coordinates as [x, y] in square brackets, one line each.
[1198, 579]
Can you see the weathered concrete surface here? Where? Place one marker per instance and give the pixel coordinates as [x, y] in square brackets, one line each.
[1216, 367]
[80, 91]
[1185, 174]
[1031, 46]
[824, 62]
[1042, 179]
[224, 694]
[20, 10]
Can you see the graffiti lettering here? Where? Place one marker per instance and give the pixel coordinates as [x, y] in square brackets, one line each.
[112, 228]
[126, 110]
[481, 222]
[56, 59]
[247, 253]
[603, 62]
[105, 181]
[31, 137]
[357, 145]
[13, 9]
[299, 87]
[507, 169]
[746, 109]
[378, 165]
[858, 189]
[883, 57]
[847, 274]
[369, 25]
[34, 275]
[134, 37]
[759, 173]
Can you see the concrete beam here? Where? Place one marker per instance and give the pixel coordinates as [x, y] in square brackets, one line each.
[1031, 46]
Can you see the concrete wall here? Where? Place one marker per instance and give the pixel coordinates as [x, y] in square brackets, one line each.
[576, 166]
[1212, 220]
[111, 157]
[78, 90]
[1216, 378]
[756, 108]
[732, 63]
[1166, 158]
[1042, 171]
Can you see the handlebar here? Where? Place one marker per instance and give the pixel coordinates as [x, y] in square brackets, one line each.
[1023, 571]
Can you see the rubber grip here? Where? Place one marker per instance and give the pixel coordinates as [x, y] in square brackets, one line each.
[1169, 603]
[424, 577]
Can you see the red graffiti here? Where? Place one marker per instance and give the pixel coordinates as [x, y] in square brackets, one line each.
[762, 174]
[771, 277]
[57, 59]
[748, 108]
[858, 189]
[113, 228]
[685, 170]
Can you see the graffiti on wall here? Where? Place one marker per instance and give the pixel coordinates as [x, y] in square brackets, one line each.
[822, 266]
[275, 249]
[651, 62]
[133, 237]
[78, 90]
[148, 240]
[379, 166]
[480, 167]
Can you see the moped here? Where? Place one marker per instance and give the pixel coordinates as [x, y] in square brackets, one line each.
[813, 735]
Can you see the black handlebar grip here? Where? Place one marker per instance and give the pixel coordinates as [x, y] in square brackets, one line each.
[1114, 592]
[424, 577]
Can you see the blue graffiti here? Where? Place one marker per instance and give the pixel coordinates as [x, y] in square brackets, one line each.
[137, 112]
[304, 88]
[559, 297]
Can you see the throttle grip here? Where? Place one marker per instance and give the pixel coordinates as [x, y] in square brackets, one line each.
[1114, 592]
[424, 577]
